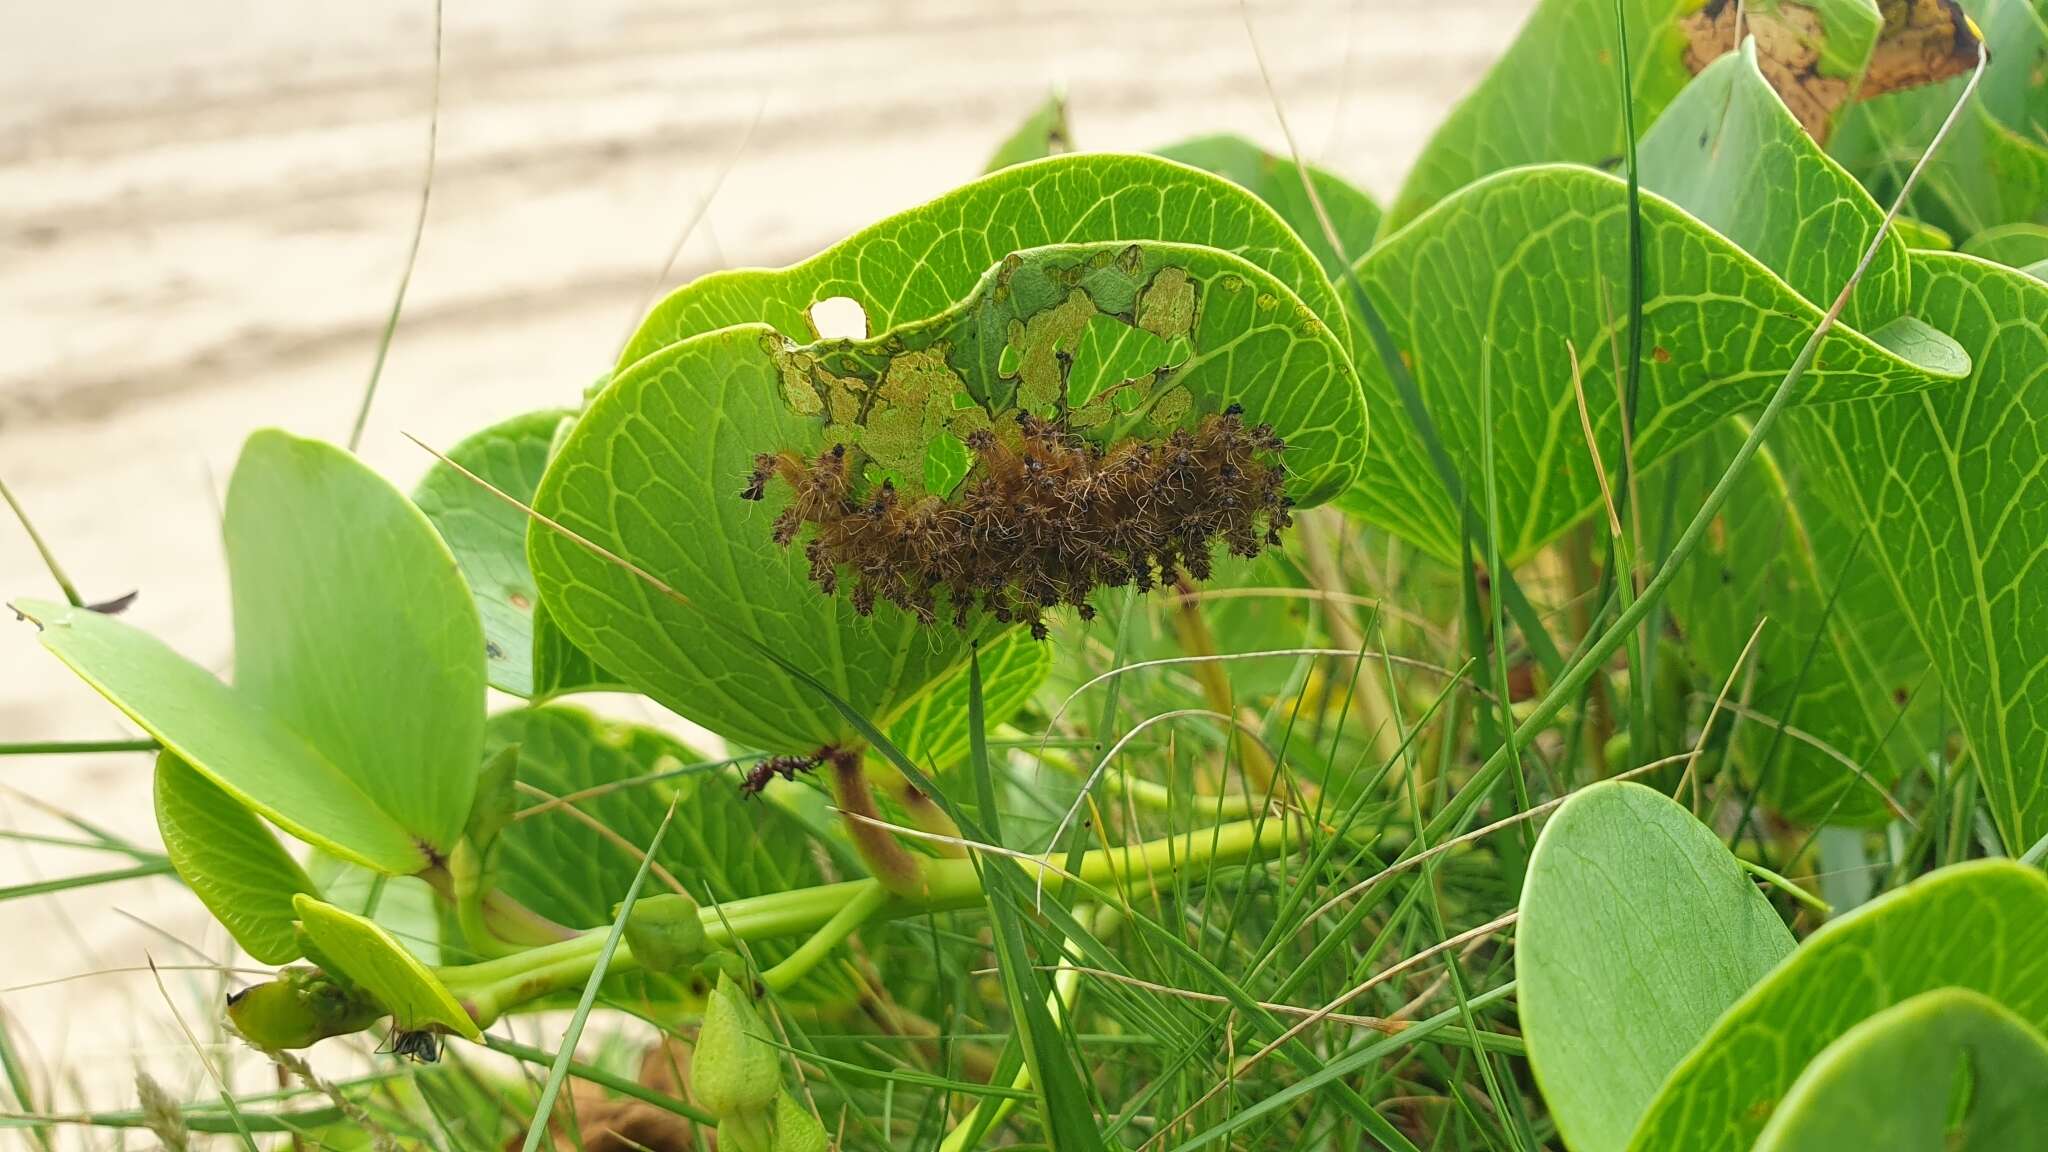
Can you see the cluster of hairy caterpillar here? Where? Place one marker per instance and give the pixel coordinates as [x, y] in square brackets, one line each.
[1044, 518]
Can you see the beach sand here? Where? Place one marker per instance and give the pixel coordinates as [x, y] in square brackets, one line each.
[205, 209]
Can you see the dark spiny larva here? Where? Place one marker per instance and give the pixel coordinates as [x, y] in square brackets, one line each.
[1044, 519]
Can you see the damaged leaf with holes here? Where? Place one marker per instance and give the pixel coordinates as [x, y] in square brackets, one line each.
[1169, 389]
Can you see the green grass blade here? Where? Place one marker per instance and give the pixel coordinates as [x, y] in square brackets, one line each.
[545, 1106]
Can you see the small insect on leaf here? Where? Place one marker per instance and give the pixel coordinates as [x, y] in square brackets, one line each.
[420, 1047]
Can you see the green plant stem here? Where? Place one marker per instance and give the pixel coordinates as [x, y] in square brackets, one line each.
[467, 883]
[813, 951]
[75, 747]
[1786, 886]
[503, 917]
[491, 988]
[894, 865]
[43, 549]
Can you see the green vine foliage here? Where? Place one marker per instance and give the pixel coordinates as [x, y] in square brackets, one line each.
[660, 539]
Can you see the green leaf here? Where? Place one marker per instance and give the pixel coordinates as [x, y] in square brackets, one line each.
[2013, 245]
[1981, 926]
[354, 628]
[1354, 217]
[225, 737]
[1637, 930]
[721, 846]
[230, 861]
[1726, 136]
[1524, 267]
[1777, 554]
[1555, 94]
[1043, 133]
[1993, 167]
[920, 262]
[369, 957]
[1888, 1084]
[933, 731]
[654, 469]
[1920, 234]
[1951, 493]
[525, 653]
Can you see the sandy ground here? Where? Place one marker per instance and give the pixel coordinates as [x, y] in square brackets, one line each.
[204, 209]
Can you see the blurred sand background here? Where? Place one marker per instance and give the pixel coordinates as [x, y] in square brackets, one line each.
[205, 208]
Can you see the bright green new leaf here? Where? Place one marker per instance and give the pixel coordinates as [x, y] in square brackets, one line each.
[1949, 492]
[920, 262]
[1519, 273]
[1353, 215]
[933, 731]
[229, 860]
[527, 655]
[369, 957]
[1637, 930]
[225, 737]
[655, 468]
[354, 628]
[1981, 926]
[1889, 1084]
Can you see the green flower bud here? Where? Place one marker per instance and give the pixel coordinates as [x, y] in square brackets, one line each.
[299, 1008]
[796, 1130]
[732, 1070]
[496, 798]
[665, 932]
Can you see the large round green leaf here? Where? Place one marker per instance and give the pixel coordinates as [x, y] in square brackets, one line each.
[354, 628]
[655, 468]
[1277, 180]
[1835, 660]
[918, 263]
[1890, 1083]
[230, 861]
[1950, 493]
[1501, 284]
[1556, 94]
[1981, 926]
[1637, 930]
[1727, 136]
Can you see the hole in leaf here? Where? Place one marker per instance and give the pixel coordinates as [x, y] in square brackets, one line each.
[839, 318]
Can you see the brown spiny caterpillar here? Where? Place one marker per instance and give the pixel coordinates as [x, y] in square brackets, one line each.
[1044, 518]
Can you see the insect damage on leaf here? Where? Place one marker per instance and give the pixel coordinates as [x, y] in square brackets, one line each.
[1920, 42]
[1079, 462]
[1044, 518]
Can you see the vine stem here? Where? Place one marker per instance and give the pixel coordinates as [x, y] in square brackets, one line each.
[491, 988]
[813, 951]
